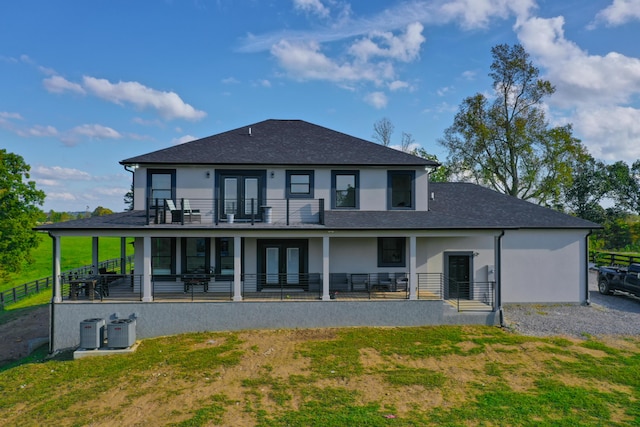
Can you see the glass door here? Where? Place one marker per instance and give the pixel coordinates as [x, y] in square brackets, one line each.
[242, 195]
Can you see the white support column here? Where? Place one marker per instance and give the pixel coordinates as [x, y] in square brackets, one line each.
[57, 286]
[325, 268]
[147, 295]
[413, 275]
[95, 260]
[237, 266]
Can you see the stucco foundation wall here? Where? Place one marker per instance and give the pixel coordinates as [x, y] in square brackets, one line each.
[543, 266]
[159, 319]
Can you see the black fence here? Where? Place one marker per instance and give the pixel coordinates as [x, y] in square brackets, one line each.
[613, 259]
[20, 292]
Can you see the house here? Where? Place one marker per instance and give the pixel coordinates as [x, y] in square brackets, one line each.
[284, 223]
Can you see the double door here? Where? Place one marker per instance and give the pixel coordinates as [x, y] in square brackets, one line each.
[242, 195]
[282, 262]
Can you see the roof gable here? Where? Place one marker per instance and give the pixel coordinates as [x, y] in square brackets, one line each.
[281, 142]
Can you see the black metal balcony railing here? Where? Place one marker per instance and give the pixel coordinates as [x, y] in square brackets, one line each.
[215, 211]
[464, 296]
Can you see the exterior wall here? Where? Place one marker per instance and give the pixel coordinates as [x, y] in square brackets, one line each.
[159, 319]
[543, 266]
[193, 183]
[480, 243]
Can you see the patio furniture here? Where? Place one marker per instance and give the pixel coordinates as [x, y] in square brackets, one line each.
[360, 282]
[192, 280]
[384, 283]
[191, 213]
[402, 282]
[339, 282]
[176, 214]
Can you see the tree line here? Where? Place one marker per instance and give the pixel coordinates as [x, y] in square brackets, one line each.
[504, 141]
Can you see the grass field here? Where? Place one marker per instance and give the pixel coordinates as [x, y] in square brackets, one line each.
[449, 376]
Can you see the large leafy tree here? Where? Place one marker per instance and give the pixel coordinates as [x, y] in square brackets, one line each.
[505, 142]
[590, 185]
[19, 212]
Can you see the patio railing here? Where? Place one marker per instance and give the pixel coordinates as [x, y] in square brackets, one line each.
[215, 211]
[464, 296]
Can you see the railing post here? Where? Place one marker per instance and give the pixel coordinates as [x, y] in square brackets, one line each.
[182, 211]
[321, 211]
[252, 210]
[287, 211]
[216, 209]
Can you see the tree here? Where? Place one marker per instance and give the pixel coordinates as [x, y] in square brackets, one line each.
[441, 174]
[19, 212]
[506, 143]
[383, 129]
[128, 199]
[589, 185]
[624, 184]
[100, 211]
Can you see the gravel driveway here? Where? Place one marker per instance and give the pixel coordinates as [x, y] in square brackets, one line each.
[617, 314]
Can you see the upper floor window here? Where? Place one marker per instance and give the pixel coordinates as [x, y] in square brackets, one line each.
[161, 185]
[345, 186]
[300, 184]
[401, 189]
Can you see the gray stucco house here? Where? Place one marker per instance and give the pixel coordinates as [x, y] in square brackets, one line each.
[284, 223]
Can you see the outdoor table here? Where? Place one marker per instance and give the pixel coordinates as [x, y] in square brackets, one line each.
[88, 284]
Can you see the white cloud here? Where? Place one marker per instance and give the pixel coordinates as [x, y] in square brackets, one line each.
[168, 104]
[6, 115]
[312, 6]
[598, 105]
[39, 131]
[618, 13]
[469, 75]
[91, 131]
[60, 173]
[405, 47]
[183, 139]
[376, 99]
[611, 133]
[397, 85]
[62, 197]
[230, 80]
[58, 84]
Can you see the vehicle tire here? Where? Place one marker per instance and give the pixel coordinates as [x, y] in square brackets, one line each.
[603, 287]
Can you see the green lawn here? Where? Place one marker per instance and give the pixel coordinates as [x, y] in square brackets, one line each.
[448, 375]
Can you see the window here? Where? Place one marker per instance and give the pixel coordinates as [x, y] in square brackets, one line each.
[391, 252]
[344, 186]
[401, 189]
[163, 254]
[195, 255]
[300, 184]
[224, 256]
[161, 185]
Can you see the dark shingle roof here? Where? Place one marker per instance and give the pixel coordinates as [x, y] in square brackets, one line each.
[456, 206]
[281, 142]
[461, 206]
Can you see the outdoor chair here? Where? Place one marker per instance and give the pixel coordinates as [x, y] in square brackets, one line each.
[384, 282]
[402, 282]
[191, 213]
[360, 282]
[338, 282]
[176, 215]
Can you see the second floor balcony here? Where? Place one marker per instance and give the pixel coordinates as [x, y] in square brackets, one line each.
[183, 211]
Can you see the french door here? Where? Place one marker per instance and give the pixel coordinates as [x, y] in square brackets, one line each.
[282, 262]
[241, 193]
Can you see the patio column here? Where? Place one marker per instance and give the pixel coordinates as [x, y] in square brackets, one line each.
[413, 276]
[123, 256]
[237, 266]
[147, 295]
[325, 268]
[95, 257]
[57, 288]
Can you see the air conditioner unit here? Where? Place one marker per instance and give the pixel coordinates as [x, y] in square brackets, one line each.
[121, 333]
[92, 333]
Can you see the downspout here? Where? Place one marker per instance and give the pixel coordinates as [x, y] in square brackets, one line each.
[51, 309]
[499, 279]
[587, 300]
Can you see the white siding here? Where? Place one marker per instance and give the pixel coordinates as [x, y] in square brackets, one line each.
[544, 266]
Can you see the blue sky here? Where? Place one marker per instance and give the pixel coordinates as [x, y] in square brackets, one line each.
[85, 84]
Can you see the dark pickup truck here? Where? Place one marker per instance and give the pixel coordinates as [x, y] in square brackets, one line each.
[619, 279]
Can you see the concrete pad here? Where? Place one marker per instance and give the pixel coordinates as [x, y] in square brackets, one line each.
[103, 351]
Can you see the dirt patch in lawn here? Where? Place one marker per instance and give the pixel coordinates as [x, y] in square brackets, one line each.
[24, 333]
